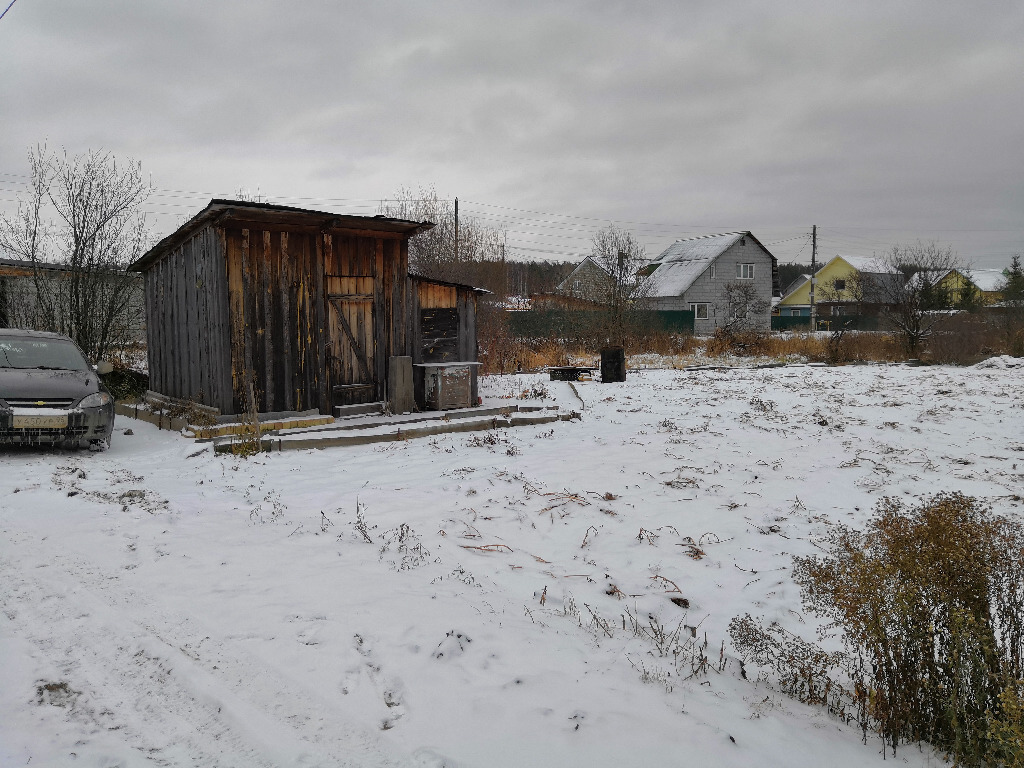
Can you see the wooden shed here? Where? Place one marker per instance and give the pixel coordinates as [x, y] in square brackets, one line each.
[308, 306]
[443, 323]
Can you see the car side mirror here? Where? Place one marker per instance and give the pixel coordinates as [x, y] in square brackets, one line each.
[103, 367]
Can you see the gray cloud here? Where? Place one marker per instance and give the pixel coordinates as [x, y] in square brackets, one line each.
[878, 122]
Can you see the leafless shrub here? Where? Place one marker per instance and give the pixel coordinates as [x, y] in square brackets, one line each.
[738, 341]
[407, 546]
[360, 525]
[929, 605]
[963, 339]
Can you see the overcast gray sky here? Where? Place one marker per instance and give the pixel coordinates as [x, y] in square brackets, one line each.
[879, 122]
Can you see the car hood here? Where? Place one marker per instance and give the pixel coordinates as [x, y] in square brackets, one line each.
[34, 384]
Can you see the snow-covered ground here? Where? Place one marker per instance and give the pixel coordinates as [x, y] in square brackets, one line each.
[504, 598]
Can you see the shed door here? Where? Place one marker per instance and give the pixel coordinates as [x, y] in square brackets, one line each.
[352, 350]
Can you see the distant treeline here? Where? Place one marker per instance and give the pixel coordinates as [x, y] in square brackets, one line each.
[790, 272]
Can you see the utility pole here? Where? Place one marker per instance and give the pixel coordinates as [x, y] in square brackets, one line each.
[456, 230]
[814, 277]
[620, 297]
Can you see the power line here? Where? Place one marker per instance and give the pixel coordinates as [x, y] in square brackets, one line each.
[7, 8]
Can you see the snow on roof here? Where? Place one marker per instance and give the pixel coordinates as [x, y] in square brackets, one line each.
[684, 261]
[983, 279]
[869, 264]
[986, 279]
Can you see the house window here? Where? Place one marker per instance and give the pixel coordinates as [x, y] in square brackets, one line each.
[711, 271]
[745, 271]
[700, 311]
[740, 312]
[837, 310]
[794, 313]
[840, 285]
[576, 284]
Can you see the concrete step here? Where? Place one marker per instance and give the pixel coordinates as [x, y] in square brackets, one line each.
[360, 409]
[408, 420]
[303, 439]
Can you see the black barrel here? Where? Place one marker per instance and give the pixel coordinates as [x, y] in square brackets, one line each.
[613, 364]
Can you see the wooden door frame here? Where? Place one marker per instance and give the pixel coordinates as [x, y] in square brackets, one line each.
[337, 301]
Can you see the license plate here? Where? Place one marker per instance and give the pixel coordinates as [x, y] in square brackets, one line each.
[40, 422]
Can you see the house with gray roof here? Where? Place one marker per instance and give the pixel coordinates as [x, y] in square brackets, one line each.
[588, 282]
[726, 280]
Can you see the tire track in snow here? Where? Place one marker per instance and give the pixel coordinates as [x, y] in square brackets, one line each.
[141, 676]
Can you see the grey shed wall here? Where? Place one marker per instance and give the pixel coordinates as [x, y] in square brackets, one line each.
[189, 326]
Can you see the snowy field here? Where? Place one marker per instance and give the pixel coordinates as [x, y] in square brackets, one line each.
[511, 598]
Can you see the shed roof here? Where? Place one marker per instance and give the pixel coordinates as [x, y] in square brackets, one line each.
[243, 210]
[679, 265]
[23, 266]
[425, 279]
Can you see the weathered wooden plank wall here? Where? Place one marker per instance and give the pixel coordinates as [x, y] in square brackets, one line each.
[187, 323]
[422, 322]
[276, 295]
[245, 301]
[433, 309]
[283, 327]
[467, 336]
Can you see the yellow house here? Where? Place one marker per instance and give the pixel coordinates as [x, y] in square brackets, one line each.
[985, 282]
[837, 288]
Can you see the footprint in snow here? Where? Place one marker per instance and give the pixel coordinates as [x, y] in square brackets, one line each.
[454, 644]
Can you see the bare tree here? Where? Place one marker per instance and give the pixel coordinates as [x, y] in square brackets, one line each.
[909, 287]
[479, 258]
[79, 225]
[621, 255]
[745, 310]
[849, 291]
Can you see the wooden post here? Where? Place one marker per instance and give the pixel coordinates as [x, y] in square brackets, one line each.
[400, 386]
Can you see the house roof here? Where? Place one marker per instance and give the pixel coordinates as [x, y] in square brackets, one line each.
[881, 284]
[589, 260]
[795, 284]
[869, 264]
[243, 210]
[679, 265]
[987, 279]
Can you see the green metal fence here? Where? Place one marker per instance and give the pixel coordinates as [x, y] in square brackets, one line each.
[785, 323]
[568, 323]
[827, 323]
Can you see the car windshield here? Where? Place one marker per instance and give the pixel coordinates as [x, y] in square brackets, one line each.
[47, 354]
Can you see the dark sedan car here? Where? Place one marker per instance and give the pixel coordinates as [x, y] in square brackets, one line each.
[49, 394]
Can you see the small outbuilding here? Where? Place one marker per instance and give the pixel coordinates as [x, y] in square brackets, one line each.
[309, 309]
